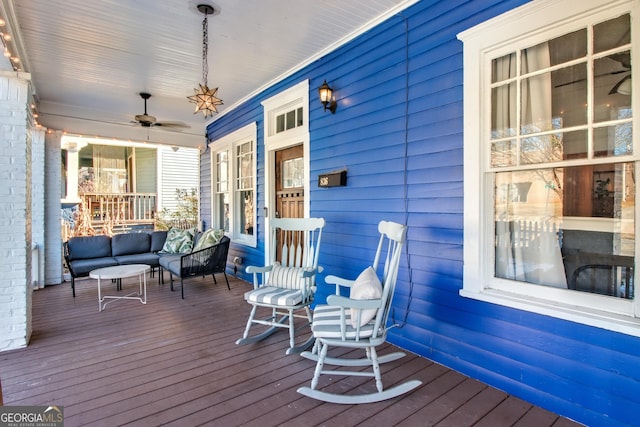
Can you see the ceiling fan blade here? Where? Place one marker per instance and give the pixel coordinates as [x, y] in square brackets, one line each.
[624, 58]
[613, 73]
[172, 124]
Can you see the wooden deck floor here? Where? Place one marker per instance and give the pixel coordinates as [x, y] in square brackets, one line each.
[175, 362]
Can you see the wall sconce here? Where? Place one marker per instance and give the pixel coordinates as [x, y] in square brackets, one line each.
[326, 97]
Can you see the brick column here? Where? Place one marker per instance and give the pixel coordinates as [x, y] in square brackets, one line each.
[15, 211]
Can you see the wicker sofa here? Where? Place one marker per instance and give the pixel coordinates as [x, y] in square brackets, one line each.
[209, 260]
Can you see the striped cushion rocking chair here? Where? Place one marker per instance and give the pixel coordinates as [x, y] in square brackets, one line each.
[359, 322]
[285, 287]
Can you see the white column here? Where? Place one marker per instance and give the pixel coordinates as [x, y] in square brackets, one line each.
[73, 148]
[15, 211]
[53, 217]
[38, 207]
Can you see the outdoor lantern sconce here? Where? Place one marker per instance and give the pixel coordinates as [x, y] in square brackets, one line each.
[326, 97]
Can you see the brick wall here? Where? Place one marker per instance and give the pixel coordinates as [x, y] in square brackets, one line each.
[15, 212]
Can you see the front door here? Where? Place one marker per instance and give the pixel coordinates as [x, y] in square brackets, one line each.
[289, 182]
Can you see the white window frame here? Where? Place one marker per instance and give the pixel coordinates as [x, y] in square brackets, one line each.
[533, 23]
[230, 143]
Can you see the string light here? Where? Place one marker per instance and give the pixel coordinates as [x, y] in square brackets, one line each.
[6, 51]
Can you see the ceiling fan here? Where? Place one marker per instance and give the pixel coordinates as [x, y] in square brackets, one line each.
[146, 120]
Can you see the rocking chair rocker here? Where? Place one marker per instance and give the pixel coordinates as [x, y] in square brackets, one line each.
[286, 286]
[344, 322]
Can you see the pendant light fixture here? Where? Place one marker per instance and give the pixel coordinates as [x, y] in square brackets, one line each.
[205, 97]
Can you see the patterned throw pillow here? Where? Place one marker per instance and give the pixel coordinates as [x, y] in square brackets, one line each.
[209, 238]
[178, 241]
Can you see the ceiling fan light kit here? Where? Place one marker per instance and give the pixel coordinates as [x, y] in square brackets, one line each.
[623, 87]
[205, 97]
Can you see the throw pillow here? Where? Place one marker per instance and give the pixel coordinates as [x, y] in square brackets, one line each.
[178, 241]
[285, 277]
[366, 286]
[209, 238]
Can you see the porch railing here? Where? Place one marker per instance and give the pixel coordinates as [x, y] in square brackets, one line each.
[125, 208]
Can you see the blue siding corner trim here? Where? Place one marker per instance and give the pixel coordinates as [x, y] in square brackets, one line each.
[398, 131]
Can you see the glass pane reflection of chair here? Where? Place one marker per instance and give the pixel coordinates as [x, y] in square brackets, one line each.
[602, 274]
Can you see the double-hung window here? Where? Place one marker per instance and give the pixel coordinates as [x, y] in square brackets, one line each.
[233, 161]
[551, 160]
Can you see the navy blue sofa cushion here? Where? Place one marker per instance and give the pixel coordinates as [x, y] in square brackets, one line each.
[130, 243]
[171, 262]
[157, 240]
[148, 258]
[82, 267]
[89, 247]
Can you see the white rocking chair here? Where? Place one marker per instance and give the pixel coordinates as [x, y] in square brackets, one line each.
[343, 322]
[286, 286]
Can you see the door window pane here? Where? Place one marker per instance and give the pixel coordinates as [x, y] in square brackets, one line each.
[293, 173]
[289, 120]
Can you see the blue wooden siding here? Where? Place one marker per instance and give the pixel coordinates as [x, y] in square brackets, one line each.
[398, 130]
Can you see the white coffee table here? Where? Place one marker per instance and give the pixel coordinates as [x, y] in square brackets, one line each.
[118, 272]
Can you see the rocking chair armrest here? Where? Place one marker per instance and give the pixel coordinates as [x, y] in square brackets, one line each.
[256, 269]
[339, 282]
[309, 273]
[345, 302]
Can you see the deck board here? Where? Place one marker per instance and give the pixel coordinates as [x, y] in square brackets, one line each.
[175, 362]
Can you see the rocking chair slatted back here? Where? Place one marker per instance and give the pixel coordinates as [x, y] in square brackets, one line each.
[295, 242]
[395, 240]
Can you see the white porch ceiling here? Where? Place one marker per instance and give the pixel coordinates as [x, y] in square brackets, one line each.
[90, 59]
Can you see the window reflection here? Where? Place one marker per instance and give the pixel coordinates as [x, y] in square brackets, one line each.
[568, 227]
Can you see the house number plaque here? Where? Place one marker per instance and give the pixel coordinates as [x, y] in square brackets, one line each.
[333, 179]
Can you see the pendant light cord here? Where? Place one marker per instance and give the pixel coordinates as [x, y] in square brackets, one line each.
[205, 49]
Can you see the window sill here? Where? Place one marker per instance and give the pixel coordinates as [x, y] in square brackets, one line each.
[600, 319]
[240, 240]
